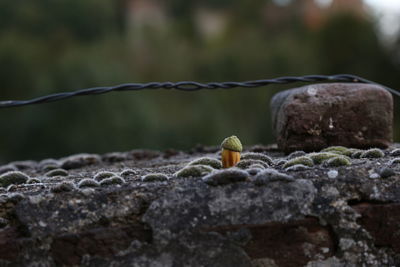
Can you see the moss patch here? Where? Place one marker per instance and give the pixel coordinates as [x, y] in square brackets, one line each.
[194, 171]
[13, 177]
[303, 160]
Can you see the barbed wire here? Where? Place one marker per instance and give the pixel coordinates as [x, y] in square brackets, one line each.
[190, 86]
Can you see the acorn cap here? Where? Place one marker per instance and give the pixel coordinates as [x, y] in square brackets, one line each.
[232, 143]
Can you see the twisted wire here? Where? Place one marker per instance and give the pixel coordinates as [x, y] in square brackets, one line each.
[190, 86]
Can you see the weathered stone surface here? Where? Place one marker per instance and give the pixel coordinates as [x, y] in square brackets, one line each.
[275, 218]
[313, 117]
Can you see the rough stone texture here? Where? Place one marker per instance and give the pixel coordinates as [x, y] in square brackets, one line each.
[313, 117]
[310, 219]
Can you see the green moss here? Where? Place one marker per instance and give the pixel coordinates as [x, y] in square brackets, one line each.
[212, 162]
[63, 187]
[13, 177]
[373, 153]
[232, 143]
[257, 156]
[244, 164]
[57, 172]
[154, 177]
[88, 183]
[338, 161]
[356, 153]
[303, 160]
[194, 171]
[320, 157]
[341, 150]
[112, 181]
[103, 175]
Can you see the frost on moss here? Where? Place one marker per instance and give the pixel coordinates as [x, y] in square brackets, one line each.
[395, 152]
[212, 162]
[296, 154]
[303, 160]
[63, 187]
[337, 161]
[33, 181]
[194, 171]
[154, 177]
[7, 168]
[244, 164]
[257, 156]
[320, 157]
[297, 167]
[226, 176]
[13, 177]
[373, 153]
[112, 181]
[341, 150]
[57, 172]
[128, 172]
[85, 183]
[80, 160]
[103, 175]
[394, 161]
[271, 175]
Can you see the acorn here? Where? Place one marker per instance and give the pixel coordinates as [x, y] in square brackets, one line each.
[230, 154]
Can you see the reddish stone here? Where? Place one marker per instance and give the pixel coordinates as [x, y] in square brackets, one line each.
[313, 117]
[287, 244]
[382, 222]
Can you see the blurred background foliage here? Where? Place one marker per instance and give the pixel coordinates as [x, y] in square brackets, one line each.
[53, 46]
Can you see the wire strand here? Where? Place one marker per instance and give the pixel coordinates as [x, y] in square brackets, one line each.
[190, 86]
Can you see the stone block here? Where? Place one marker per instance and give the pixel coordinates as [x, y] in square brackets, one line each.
[317, 116]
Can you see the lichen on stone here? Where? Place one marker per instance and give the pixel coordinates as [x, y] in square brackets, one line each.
[84, 183]
[244, 164]
[212, 162]
[112, 181]
[13, 177]
[103, 175]
[56, 172]
[341, 150]
[373, 153]
[154, 177]
[232, 143]
[303, 160]
[226, 176]
[337, 161]
[256, 156]
[320, 157]
[194, 171]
